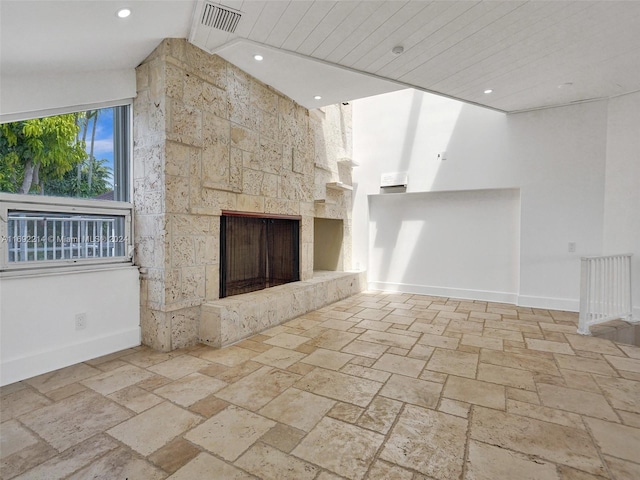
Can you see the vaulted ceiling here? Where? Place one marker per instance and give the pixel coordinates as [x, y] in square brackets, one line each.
[531, 54]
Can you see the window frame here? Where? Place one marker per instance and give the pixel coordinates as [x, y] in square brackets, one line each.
[40, 204]
[120, 207]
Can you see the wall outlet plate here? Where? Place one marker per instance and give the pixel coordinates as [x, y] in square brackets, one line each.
[81, 321]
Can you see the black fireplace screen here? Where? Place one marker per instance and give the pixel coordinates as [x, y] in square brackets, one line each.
[257, 253]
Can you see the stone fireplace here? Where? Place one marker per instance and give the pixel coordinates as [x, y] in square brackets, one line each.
[210, 139]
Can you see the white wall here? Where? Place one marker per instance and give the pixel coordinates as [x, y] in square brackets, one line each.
[405, 131]
[37, 313]
[560, 154]
[622, 185]
[555, 157]
[20, 95]
[37, 319]
[474, 256]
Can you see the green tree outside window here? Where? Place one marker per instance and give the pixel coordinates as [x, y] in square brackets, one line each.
[49, 156]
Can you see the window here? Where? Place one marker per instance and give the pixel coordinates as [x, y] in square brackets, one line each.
[81, 154]
[64, 187]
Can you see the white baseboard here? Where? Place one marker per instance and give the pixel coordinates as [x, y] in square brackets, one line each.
[464, 294]
[16, 369]
[549, 303]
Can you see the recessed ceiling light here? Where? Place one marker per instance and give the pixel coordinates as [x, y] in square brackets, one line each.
[124, 12]
[488, 90]
[317, 97]
[258, 58]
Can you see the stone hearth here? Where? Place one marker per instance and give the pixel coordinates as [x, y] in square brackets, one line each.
[228, 320]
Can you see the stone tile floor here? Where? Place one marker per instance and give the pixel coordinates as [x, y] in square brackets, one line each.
[377, 386]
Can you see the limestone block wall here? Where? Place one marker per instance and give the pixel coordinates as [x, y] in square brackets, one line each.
[209, 137]
[333, 148]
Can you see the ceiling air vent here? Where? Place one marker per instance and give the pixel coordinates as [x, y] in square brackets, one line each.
[222, 18]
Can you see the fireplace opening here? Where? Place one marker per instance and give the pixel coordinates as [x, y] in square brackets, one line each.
[327, 244]
[257, 252]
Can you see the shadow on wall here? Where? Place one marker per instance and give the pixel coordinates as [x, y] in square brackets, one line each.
[431, 238]
[465, 242]
[472, 142]
[439, 126]
[554, 157]
[411, 132]
[389, 236]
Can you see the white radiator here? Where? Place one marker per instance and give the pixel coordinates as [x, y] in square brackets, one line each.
[605, 290]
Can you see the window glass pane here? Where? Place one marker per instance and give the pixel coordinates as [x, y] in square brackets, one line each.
[42, 236]
[81, 154]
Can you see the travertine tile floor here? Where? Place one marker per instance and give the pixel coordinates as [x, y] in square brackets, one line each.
[378, 386]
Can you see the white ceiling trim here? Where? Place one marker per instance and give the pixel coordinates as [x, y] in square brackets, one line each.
[300, 77]
[297, 76]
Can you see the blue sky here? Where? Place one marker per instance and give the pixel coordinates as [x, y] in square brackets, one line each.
[103, 145]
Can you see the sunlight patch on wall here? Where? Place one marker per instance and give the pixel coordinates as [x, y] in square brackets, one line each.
[438, 118]
[389, 257]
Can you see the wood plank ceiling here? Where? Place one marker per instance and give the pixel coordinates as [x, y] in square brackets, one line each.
[532, 54]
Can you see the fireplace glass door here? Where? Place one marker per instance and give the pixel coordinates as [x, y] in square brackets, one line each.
[257, 253]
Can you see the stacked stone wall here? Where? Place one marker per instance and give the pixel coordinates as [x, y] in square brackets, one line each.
[209, 137]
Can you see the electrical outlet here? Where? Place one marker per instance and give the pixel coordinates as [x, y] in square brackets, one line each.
[81, 321]
[572, 247]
